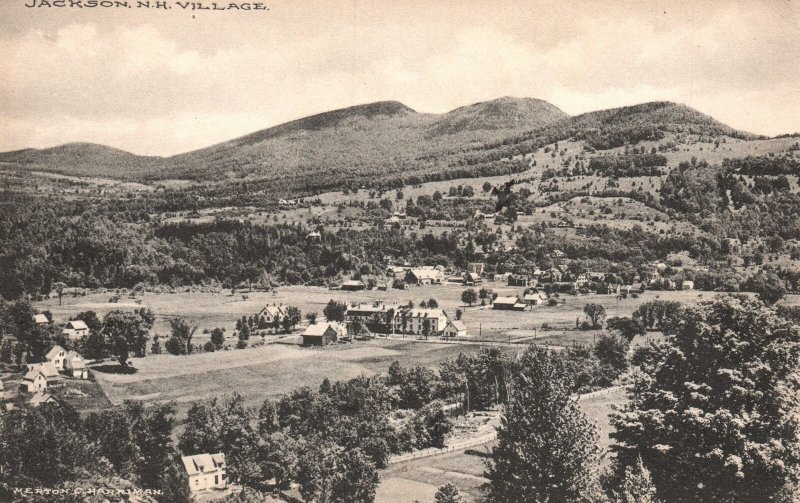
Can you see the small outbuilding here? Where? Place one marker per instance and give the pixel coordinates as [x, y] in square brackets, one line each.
[353, 285]
[508, 303]
[455, 328]
[322, 333]
[75, 330]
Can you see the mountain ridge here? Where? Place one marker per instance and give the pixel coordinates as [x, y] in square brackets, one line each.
[384, 137]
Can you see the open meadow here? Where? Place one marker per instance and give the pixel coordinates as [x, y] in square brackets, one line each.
[262, 372]
[209, 310]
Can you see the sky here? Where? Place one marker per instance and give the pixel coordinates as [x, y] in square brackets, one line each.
[160, 82]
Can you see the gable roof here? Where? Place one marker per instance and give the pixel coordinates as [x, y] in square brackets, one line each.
[273, 310]
[318, 329]
[203, 463]
[54, 352]
[74, 361]
[40, 318]
[40, 398]
[369, 308]
[76, 325]
[458, 325]
[506, 300]
[421, 313]
[426, 273]
[534, 296]
[47, 370]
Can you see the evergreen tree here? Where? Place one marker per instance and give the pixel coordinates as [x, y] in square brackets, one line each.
[637, 486]
[547, 448]
[447, 493]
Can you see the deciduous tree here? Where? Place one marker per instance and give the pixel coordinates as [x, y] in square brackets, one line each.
[713, 413]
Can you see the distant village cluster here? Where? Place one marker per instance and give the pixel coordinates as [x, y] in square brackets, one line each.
[58, 368]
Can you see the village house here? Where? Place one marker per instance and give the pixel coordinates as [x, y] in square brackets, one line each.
[75, 366]
[272, 314]
[314, 236]
[518, 280]
[508, 303]
[472, 279]
[40, 319]
[417, 321]
[206, 471]
[535, 299]
[75, 330]
[687, 285]
[454, 328]
[353, 285]
[56, 357]
[41, 376]
[323, 333]
[424, 276]
[397, 271]
[582, 279]
[41, 397]
[501, 277]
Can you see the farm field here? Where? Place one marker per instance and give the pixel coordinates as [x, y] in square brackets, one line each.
[210, 310]
[263, 372]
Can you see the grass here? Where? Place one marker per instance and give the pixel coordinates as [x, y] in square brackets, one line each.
[211, 310]
[264, 372]
[83, 395]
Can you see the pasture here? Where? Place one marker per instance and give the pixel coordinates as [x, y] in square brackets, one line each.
[222, 309]
[262, 372]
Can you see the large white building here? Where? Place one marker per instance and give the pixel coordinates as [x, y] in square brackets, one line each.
[415, 321]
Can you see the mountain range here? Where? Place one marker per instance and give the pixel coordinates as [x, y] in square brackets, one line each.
[378, 139]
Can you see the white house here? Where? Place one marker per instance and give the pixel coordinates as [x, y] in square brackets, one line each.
[425, 276]
[41, 376]
[40, 319]
[455, 328]
[75, 329]
[687, 284]
[535, 299]
[56, 357]
[75, 366]
[272, 313]
[206, 471]
[415, 321]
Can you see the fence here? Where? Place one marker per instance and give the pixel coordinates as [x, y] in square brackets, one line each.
[483, 439]
[458, 446]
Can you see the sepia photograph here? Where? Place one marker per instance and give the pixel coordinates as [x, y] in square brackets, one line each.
[376, 251]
